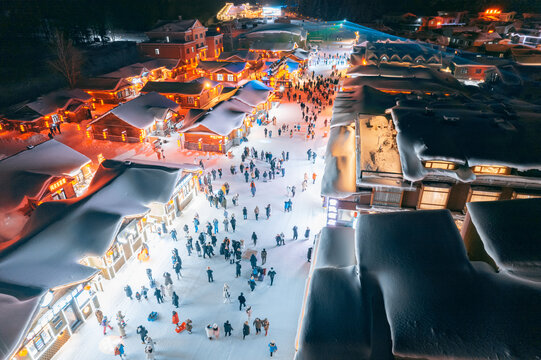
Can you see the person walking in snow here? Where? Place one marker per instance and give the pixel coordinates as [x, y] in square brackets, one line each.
[263, 257]
[158, 294]
[252, 283]
[149, 351]
[254, 238]
[119, 350]
[307, 233]
[245, 213]
[253, 261]
[242, 301]
[198, 248]
[226, 224]
[233, 222]
[105, 324]
[272, 348]
[272, 274]
[256, 212]
[238, 267]
[227, 328]
[257, 324]
[128, 291]
[226, 293]
[252, 188]
[314, 178]
[175, 299]
[167, 278]
[268, 211]
[209, 331]
[249, 312]
[99, 316]
[177, 268]
[245, 330]
[209, 274]
[142, 333]
[175, 319]
[189, 326]
[216, 331]
[295, 232]
[215, 222]
[266, 324]
[309, 254]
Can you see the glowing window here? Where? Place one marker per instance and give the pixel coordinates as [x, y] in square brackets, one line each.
[440, 165]
[387, 197]
[491, 169]
[433, 197]
[484, 195]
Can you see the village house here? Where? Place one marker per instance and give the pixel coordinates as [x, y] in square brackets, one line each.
[45, 172]
[66, 105]
[198, 94]
[136, 120]
[224, 71]
[105, 90]
[186, 40]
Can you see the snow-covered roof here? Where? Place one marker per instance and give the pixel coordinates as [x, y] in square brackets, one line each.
[466, 138]
[142, 111]
[377, 150]
[220, 120]
[439, 305]
[128, 71]
[253, 93]
[102, 83]
[238, 55]
[26, 173]
[169, 64]
[276, 28]
[399, 84]
[63, 232]
[340, 167]
[364, 100]
[392, 71]
[273, 46]
[233, 67]
[510, 232]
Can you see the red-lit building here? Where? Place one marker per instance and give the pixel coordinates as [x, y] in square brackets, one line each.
[60, 106]
[182, 39]
[107, 90]
[196, 94]
[224, 71]
[134, 121]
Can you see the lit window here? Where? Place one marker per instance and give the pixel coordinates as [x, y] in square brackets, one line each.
[157, 51]
[491, 169]
[484, 195]
[230, 77]
[190, 100]
[440, 165]
[517, 195]
[433, 197]
[219, 77]
[387, 197]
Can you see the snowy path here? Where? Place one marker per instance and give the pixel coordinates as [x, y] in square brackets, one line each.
[202, 302]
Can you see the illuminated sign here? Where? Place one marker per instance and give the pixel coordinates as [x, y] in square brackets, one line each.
[272, 11]
[57, 184]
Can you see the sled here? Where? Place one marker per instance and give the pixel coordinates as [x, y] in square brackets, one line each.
[153, 316]
[180, 328]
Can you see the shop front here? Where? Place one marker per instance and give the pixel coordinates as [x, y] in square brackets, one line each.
[62, 312]
[168, 212]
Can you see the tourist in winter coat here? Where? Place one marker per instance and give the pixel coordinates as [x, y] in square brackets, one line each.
[254, 237]
[314, 178]
[175, 319]
[295, 232]
[209, 274]
[252, 283]
[238, 267]
[307, 232]
[189, 326]
[105, 324]
[268, 211]
[252, 189]
[233, 222]
[177, 268]
[242, 301]
[121, 327]
[149, 351]
[216, 331]
[226, 293]
[227, 328]
[245, 212]
[119, 350]
[167, 278]
[257, 325]
[249, 312]
[263, 257]
[309, 254]
[209, 331]
[272, 273]
[272, 348]
[142, 333]
[265, 324]
[174, 299]
[99, 316]
[158, 295]
[256, 212]
[253, 261]
[245, 330]
[128, 291]
[226, 224]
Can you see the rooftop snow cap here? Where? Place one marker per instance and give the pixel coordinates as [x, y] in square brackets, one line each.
[469, 138]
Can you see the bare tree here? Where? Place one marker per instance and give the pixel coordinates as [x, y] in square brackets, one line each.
[67, 59]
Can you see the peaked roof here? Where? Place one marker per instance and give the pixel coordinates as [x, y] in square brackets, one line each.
[253, 93]
[142, 111]
[102, 83]
[242, 55]
[27, 172]
[229, 66]
[64, 232]
[177, 26]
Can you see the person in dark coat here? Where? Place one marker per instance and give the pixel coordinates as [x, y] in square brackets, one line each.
[254, 238]
[198, 248]
[158, 295]
[272, 273]
[174, 235]
[142, 333]
[295, 232]
[238, 267]
[242, 301]
[309, 254]
[209, 274]
[128, 291]
[253, 261]
[167, 278]
[233, 222]
[257, 324]
[177, 271]
[227, 328]
[263, 257]
[174, 299]
[252, 283]
[307, 233]
[245, 330]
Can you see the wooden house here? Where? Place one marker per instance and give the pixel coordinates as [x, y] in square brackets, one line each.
[196, 94]
[107, 90]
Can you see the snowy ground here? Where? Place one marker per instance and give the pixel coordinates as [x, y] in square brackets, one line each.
[201, 301]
